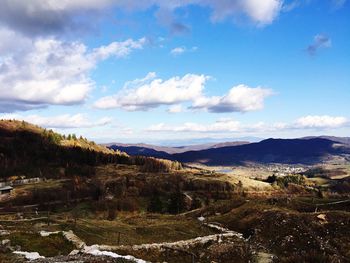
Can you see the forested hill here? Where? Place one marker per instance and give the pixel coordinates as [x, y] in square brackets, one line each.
[308, 150]
[287, 151]
[26, 149]
[29, 150]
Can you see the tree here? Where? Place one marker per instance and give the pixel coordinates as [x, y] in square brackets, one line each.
[176, 203]
[271, 179]
[155, 205]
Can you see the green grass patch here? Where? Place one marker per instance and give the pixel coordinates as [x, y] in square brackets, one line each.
[49, 246]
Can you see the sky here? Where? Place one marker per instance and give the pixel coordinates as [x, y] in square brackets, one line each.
[177, 71]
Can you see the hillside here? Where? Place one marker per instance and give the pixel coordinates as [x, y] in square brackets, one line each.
[144, 209]
[26, 149]
[142, 150]
[342, 140]
[288, 151]
[308, 150]
[31, 151]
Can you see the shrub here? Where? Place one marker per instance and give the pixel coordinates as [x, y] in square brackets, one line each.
[293, 179]
[156, 204]
[151, 164]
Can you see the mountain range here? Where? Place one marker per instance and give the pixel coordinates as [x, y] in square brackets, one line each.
[308, 150]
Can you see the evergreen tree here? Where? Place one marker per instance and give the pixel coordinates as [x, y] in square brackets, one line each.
[155, 205]
[176, 203]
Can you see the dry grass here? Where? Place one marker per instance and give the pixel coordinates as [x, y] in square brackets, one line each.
[137, 229]
[236, 175]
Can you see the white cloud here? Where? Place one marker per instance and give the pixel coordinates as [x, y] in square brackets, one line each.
[117, 49]
[180, 50]
[150, 92]
[240, 98]
[39, 17]
[222, 125]
[49, 71]
[321, 122]
[263, 12]
[8, 38]
[228, 125]
[65, 121]
[175, 108]
[320, 41]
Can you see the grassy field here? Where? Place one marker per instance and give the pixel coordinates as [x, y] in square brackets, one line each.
[237, 175]
[50, 246]
[137, 229]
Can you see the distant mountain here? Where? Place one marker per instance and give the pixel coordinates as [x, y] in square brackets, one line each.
[342, 140]
[164, 151]
[146, 150]
[308, 150]
[289, 151]
[203, 141]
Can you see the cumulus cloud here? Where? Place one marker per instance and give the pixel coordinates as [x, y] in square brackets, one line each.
[65, 121]
[180, 50]
[262, 12]
[151, 92]
[48, 71]
[39, 17]
[239, 99]
[8, 38]
[320, 122]
[175, 108]
[320, 41]
[228, 125]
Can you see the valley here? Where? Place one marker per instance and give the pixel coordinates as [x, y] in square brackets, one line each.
[82, 202]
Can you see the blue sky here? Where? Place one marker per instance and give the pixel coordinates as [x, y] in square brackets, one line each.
[155, 71]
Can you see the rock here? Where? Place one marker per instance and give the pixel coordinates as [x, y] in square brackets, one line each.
[4, 232]
[322, 218]
[201, 218]
[5, 242]
[74, 252]
[5, 245]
